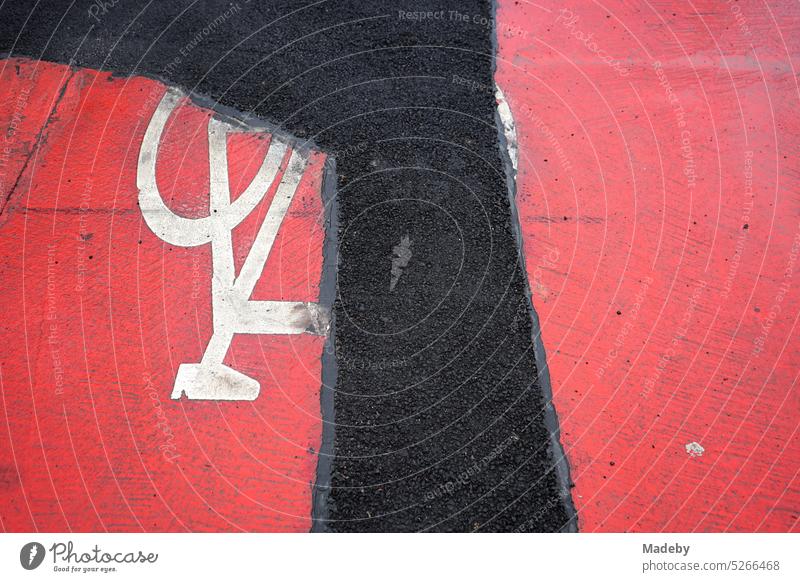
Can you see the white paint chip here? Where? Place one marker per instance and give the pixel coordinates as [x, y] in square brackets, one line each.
[400, 258]
[695, 449]
[509, 128]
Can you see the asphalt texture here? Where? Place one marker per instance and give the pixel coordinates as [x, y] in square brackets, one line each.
[439, 417]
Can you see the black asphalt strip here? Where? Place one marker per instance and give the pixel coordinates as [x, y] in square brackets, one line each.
[440, 419]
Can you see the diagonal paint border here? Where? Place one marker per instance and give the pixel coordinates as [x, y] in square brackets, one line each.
[506, 136]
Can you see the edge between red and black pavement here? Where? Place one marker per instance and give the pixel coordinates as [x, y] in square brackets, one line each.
[440, 414]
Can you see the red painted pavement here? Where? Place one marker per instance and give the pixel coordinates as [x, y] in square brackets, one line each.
[658, 197]
[99, 313]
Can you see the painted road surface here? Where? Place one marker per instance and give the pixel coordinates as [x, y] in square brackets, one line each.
[438, 414]
[103, 315]
[633, 181]
[657, 195]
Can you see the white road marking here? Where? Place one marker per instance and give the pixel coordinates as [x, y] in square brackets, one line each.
[232, 310]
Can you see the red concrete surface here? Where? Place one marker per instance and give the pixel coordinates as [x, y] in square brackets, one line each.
[658, 197]
[99, 313]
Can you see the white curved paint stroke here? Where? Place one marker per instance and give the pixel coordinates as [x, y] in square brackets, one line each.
[232, 309]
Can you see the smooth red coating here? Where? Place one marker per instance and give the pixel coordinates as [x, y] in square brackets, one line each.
[99, 313]
[658, 198]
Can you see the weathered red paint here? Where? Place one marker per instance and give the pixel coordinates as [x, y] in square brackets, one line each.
[658, 203]
[99, 313]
